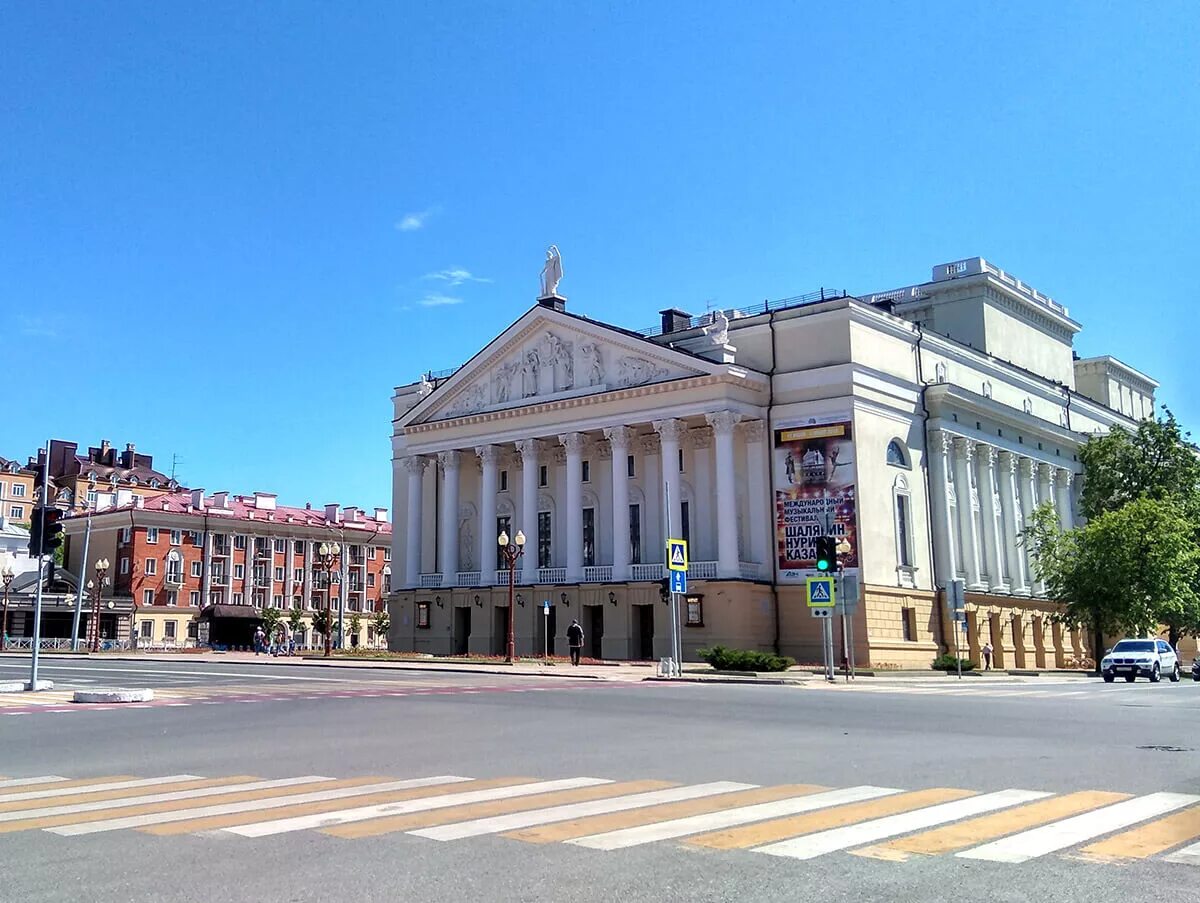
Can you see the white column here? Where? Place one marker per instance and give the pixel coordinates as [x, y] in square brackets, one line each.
[1028, 491]
[964, 451]
[619, 438]
[699, 443]
[573, 443]
[1009, 509]
[1066, 514]
[993, 550]
[489, 459]
[941, 488]
[1045, 484]
[449, 516]
[652, 487]
[415, 465]
[723, 423]
[670, 433]
[528, 449]
[758, 472]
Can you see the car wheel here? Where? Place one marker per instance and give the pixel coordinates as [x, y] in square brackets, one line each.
[1155, 675]
[1175, 675]
[1130, 678]
[1109, 678]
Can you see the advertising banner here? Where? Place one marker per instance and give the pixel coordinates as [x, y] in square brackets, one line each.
[815, 493]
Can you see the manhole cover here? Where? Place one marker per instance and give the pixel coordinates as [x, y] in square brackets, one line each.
[1169, 748]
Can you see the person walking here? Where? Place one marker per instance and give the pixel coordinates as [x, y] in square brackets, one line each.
[575, 641]
[259, 636]
[987, 656]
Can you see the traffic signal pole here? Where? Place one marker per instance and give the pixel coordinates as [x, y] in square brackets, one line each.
[37, 601]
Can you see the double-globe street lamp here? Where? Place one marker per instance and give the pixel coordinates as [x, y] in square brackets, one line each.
[98, 587]
[8, 570]
[327, 554]
[511, 552]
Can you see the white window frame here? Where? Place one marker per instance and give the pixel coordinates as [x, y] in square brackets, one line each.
[176, 537]
[903, 534]
[277, 600]
[126, 534]
[124, 566]
[147, 597]
[194, 599]
[280, 574]
[239, 598]
[239, 541]
[152, 535]
[297, 575]
[17, 512]
[169, 630]
[239, 572]
[18, 490]
[197, 569]
[146, 630]
[173, 598]
[151, 567]
[280, 547]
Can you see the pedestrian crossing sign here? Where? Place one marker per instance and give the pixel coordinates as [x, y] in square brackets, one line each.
[677, 559]
[820, 592]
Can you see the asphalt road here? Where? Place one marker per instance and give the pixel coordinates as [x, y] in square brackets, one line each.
[943, 744]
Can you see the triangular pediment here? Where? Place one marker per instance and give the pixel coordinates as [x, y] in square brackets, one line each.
[548, 355]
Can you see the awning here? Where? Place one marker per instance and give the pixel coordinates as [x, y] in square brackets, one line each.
[244, 612]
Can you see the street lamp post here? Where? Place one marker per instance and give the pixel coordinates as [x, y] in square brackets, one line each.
[511, 553]
[327, 554]
[98, 585]
[7, 572]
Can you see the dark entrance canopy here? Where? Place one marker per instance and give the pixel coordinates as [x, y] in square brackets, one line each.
[228, 625]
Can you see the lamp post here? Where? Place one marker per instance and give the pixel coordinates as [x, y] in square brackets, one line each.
[511, 552]
[7, 572]
[98, 585]
[327, 554]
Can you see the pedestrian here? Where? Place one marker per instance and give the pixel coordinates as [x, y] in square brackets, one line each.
[987, 656]
[575, 641]
[259, 636]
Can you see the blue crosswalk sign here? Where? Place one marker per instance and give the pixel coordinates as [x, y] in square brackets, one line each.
[679, 581]
[820, 592]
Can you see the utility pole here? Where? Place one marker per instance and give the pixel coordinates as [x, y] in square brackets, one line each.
[37, 602]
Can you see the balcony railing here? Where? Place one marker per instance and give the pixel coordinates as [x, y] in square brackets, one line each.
[598, 574]
[646, 572]
[502, 576]
[174, 578]
[552, 575]
[467, 578]
[218, 579]
[428, 581]
[702, 570]
[750, 570]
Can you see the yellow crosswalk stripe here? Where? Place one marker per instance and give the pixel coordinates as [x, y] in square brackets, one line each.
[431, 819]
[596, 824]
[973, 831]
[86, 796]
[796, 825]
[1147, 840]
[215, 822]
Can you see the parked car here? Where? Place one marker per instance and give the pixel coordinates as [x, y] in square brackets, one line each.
[1147, 658]
[1196, 669]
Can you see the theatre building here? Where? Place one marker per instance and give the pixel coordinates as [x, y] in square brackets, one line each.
[921, 425]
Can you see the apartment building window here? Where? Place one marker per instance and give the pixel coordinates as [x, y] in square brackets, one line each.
[277, 600]
[279, 574]
[371, 553]
[387, 583]
[909, 623]
[589, 537]
[194, 598]
[298, 547]
[176, 537]
[370, 581]
[151, 567]
[197, 538]
[215, 598]
[172, 598]
[147, 597]
[297, 575]
[169, 630]
[635, 534]
[197, 568]
[2, 485]
[260, 575]
[239, 598]
[544, 538]
[152, 535]
[239, 572]
[587, 472]
[685, 516]
[423, 615]
[297, 602]
[124, 566]
[18, 490]
[504, 481]
[17, 512]
[147, 630]
[387, 553]
[280, 546]
[239, 541]
[126, 534]
[314, 601]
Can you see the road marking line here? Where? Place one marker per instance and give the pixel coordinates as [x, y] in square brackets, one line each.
[850, 836]
[1069, 832]
[498, 823]
[1147, 840]
[669, 813]
[754, 835]
[155, 672]
[32, 782]
[268, 800]
[85, 795]
[36, 818]
[376, 827]
[989, 827]
[302, 823]
[89, 785]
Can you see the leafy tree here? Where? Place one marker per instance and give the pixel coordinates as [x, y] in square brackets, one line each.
[355, 626]
[320, 621]
[271, 617]
[295, 620]
[382, 621]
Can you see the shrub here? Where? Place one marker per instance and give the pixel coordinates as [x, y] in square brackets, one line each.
[723, 659]
[948, 662]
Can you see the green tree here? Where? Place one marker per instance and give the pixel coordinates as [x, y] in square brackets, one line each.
[355, 626]
[382, 621]
[271, 617]
[295, 620]
[320, 621]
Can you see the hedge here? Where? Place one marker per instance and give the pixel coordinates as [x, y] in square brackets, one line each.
[723, 659]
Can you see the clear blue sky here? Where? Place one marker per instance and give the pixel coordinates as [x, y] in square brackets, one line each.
[219, 219]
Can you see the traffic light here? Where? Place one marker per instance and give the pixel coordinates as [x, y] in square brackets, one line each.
[826, 553]
[35, 533]
[45, 531]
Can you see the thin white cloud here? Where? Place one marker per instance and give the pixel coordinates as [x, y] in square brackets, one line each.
[411, 222]
[435, 300]
[455, 276]
[37, 327]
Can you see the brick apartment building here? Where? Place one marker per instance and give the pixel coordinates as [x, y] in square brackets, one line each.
[184, 558]
[102, 478]
[17, 485]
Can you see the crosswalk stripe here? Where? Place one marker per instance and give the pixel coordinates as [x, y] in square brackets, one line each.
[29, 782]
[668, 812]
[1147, 840]
[681, 827]
[1189, 855]
[55, 815]
[868, 832]
[216, 822]
[378, 826]
[64, 787]
[302, 823]
[975, 831]
[753, 835]
[499, 823]
[268, 800]
[86, 794]
[1069, 832]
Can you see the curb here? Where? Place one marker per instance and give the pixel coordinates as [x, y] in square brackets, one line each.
[21, 686]
[139, 695]
[765, 681]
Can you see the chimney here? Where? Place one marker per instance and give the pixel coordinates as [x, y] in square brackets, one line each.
[129, 457]
[139, 501]
[351, 514]
[265, 501]
[308, 506]
[381, 515]
[331, 512]
[675, 320]
[198, 499]
[105, 445]
[220, 500]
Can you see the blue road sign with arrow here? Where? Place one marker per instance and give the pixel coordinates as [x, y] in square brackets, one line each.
[679, 581]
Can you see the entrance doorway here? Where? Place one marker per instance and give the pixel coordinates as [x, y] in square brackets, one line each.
[462, 630]
[644, 632]
[595, 631]
[500, 630]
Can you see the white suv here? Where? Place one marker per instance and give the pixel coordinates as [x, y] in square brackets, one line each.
[1149, 658]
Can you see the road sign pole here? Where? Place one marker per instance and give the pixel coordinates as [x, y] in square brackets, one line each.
[37, 602]
[676, 653]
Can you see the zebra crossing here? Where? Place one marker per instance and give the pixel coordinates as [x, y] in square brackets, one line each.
[1039, 688]
[603, 816]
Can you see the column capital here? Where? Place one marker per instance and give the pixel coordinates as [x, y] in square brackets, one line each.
[449, 459]
[572, 442]
[1046, 471]
[488, 454]
[1009, 461]
[670, 430]
[940, 442]
[754, 430]
[618, 437]
[415, 464]
[987, 453]
[700, 437]
[528, 449]
[1065, 477]
[1028, 467]
[964, 447]
[723, 422]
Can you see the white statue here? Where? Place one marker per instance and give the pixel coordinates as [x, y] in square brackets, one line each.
[718, 329]
[426, 386]
[552, 272]
[592, 363]
[529, 370]
[505, 374]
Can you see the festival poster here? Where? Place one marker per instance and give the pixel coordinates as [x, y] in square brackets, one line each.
[815, 493]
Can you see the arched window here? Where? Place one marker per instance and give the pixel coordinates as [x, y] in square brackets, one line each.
[902, 506]
[895, 454]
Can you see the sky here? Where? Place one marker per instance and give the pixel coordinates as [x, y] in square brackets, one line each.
[228, 230]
